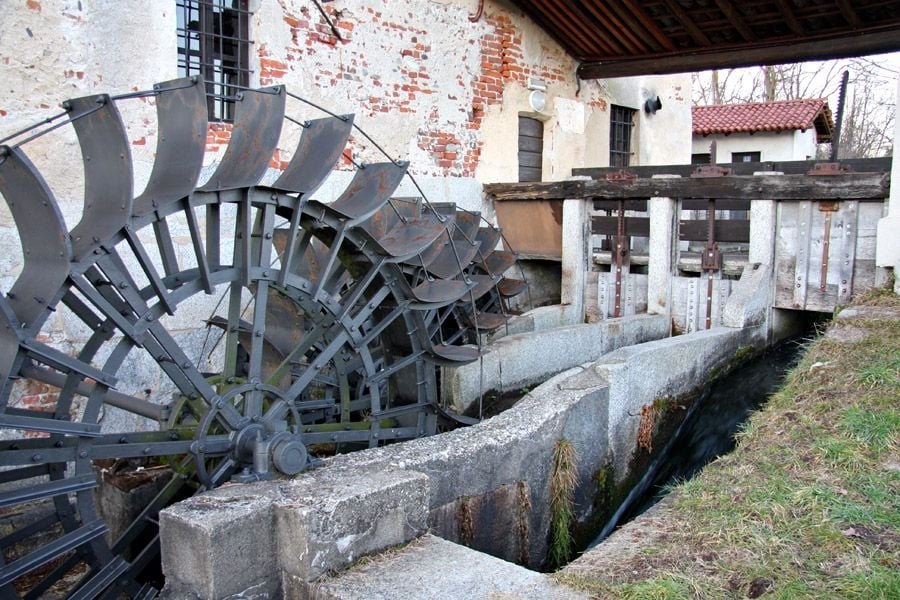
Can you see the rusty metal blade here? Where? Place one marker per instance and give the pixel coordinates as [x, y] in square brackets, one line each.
[449, 356]
[370, 190]
[484, 321]
[489, 238]
[257, 125]
[319, 148]
[45, 244]
[454, 259]
[181, 142]
[483, 284]
[509, 287]
[406, 240]
[107, 171]
[498, 262]
[436, 293]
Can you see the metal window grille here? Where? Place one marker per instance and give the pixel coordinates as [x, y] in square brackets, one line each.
[621, 123]
[745, 156]
[214, 43]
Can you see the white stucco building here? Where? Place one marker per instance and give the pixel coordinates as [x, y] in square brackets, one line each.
[761, 131]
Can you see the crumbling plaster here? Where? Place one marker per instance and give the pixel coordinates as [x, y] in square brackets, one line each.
[428, 84]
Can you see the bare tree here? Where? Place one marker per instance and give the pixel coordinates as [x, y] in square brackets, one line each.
[868, 120]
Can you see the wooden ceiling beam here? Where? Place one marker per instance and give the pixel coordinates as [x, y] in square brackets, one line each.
[788, 15]
[872, 42]
[848, 13]
[612, 23]
[698, 36]
[735, 19]
[645, 22]
[548, 17]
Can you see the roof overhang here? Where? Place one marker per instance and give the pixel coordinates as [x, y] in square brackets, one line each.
[627, 38]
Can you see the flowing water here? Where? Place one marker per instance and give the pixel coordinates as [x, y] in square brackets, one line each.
[709, 430]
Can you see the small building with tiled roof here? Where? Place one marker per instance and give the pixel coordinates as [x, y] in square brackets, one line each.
[761, 131]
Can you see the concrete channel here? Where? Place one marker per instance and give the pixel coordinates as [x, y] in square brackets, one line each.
[454, 515]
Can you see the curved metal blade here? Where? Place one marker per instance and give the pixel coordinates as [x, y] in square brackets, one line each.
[181, 143]
[369, 190]
[107, 171]
[46, 250]
[257, 125]
[319, 148]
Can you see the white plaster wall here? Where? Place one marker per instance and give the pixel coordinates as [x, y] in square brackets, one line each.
[780, 146]
[660, 138]
[417, 74]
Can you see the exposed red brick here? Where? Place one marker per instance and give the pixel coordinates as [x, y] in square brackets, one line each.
[33, 5]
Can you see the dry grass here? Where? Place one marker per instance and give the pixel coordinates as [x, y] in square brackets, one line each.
[808, 505]
[563, 480]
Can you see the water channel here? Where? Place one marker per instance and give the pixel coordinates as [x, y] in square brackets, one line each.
[709, 429]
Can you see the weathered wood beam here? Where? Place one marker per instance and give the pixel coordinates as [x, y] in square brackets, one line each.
[647, 23]
[872, 42]
[872, 187]
[687, 22]
[611, 22]
[790, 167]
[575, 26]
[789, 17]
[848, 13]
[735, 19]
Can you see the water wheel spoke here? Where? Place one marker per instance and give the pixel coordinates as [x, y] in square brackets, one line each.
[58, 547]
[331, 325]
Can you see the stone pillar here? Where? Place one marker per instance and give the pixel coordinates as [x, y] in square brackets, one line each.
[576, 236]
[887, 248]
[763, 230]
[663, 232]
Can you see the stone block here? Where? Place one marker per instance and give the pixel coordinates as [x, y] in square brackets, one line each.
[327, 520]
[750, 298]
[453, 572]
[220, 543]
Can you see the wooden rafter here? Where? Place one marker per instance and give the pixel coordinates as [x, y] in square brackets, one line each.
[646, 22]
[698, 36]
[848, 13]
[735, 19]
[788, 15]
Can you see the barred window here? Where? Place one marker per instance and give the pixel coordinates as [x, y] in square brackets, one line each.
[621, 123]
[745, 157]
[214, 43]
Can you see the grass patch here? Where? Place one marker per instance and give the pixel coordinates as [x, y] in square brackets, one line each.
[807, 505]
[563, 479]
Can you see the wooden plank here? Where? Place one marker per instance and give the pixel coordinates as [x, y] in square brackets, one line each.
[802, 249]
[743, 55]
[532, 228]
[531, 127]
[791, 167]
[529, 173]
[630, 204]
[726, 231]
[871, 187]
[531, 160]
[847, 258]
[636, 226]
[785, 236]
[723, 204]
[530, 144]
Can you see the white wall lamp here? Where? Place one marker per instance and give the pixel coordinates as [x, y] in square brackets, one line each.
[537, 99]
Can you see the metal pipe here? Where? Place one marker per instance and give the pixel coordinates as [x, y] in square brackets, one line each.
[134, 405]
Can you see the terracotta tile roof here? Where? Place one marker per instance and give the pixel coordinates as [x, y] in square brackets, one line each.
[786, 115]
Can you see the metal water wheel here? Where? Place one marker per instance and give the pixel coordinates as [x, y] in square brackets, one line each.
[275, 327]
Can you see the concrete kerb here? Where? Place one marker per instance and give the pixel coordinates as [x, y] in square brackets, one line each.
[238, 536]
[281, 534]
[639, 375]
[521, 360]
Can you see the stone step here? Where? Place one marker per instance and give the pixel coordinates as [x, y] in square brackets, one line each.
[433, 568]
